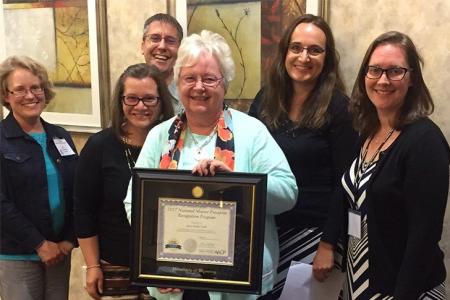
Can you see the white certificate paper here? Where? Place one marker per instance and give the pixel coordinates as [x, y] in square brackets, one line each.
[301, 284]
[196, 231]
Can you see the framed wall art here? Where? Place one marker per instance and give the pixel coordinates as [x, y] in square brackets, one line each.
[252, 28]
[70, 39]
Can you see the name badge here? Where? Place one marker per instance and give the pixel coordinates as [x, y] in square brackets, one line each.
[354, 223]
[63, 147]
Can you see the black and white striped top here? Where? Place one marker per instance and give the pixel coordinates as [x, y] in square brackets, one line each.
[357, 283]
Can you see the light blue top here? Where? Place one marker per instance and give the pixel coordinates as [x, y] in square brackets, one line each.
[54, 196]
[255, 152]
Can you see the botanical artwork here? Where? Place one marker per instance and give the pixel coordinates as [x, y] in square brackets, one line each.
[72, 47]
[276, 16]
[237, 22]
[60, 41]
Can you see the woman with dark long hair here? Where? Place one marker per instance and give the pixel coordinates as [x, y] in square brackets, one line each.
[140, 101]
[304, 106]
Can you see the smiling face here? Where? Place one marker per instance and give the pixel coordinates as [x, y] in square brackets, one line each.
[200, 100]
[388, 95]
[302, 67]
[140, 116]
[26, 109]
[163, 53]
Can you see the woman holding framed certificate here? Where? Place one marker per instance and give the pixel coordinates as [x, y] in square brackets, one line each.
[210, 137]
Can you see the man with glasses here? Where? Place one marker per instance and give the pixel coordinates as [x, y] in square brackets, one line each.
[160, 41]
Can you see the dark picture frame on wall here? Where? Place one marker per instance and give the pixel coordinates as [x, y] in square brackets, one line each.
[70, 39]
[194, 232]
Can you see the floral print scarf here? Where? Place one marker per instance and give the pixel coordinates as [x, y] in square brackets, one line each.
[224, 150]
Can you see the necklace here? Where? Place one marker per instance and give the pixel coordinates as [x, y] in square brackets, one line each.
[130, 160]
[199, 147]
[366, 164]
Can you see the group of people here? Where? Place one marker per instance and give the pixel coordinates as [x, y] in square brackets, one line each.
[356, 183]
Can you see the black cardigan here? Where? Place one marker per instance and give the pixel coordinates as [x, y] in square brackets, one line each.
[100, 186]
[407, 198]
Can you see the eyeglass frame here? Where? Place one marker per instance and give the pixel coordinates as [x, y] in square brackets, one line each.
[303, 48]
[167, 39]
[18, 94]
[193, 83]
[385, 71]
[156, 99]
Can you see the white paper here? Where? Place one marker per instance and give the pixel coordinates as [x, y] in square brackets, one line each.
[301, 284]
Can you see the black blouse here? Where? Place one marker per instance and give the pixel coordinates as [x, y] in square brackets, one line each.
[317, 157]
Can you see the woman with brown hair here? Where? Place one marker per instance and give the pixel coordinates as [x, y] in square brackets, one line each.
[396, 188]
[140, 101]
[304, 106]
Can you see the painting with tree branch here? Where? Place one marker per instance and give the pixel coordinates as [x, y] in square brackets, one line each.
[236, 21]
[252, 29]
[61, 35]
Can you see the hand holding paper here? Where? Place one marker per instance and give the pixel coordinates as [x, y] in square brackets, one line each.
[300, 284]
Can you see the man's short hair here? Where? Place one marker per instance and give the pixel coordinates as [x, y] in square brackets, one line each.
[164, 18]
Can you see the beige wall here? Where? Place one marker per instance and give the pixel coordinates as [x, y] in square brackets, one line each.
[125, 28]
[355, 24]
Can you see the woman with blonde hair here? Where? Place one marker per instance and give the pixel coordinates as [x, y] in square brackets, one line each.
[37, 167]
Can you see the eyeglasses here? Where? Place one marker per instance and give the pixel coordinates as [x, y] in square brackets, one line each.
[156, 38]
[297, 48]
[134, 100]
[396, 73]
[22, 92]
[208, 81]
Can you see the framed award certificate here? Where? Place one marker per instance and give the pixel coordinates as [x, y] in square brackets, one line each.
[194, 232]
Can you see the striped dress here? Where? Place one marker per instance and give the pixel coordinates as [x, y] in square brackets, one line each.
[357, 281]
[298, 244]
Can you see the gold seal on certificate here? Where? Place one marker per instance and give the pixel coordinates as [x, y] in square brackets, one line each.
[197, 192]
[196, 231]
